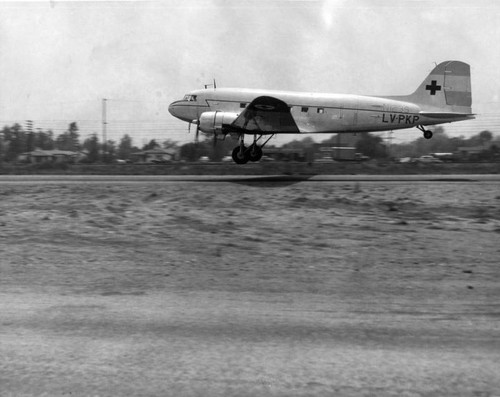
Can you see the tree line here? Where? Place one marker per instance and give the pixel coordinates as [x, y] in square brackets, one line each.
[375, 147]
[16, 140]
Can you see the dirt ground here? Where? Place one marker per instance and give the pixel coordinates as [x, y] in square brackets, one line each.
[228, 289]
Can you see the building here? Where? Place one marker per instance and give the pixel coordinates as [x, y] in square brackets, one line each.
[475, 153]
[154, 156]
[39, 156]
[338, 153]
[286, 154]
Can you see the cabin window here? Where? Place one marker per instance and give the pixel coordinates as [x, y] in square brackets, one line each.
[243, 105]
[305, 109]
[321, 110]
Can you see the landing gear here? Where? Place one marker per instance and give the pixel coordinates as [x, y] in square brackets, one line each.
[427, 133]
[242, 155]
[255, 152]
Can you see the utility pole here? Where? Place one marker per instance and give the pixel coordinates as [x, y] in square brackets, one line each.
[104, 123]
[29, 141]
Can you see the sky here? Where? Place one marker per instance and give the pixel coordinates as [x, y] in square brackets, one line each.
[59, 60]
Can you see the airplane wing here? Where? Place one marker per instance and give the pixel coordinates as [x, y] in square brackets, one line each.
[265, 115]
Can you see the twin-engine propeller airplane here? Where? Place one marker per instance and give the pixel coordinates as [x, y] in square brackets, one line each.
[443, 97]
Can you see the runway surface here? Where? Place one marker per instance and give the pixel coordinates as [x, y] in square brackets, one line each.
[19, 179]
[203, 286]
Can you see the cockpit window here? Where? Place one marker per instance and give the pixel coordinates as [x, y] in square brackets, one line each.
[190, 98]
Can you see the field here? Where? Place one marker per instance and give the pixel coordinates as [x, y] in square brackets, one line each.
[221, 289]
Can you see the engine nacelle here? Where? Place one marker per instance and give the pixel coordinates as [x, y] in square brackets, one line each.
[211, 122]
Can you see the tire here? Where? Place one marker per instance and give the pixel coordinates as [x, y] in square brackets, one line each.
[255, 153]
[240, 158]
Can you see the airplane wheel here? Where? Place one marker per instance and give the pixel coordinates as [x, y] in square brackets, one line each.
[240, 158]
[427, 134]
[255, 153]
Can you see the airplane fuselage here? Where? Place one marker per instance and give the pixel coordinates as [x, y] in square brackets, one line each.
[313, 112]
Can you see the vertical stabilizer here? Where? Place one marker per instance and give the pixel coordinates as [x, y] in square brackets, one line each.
[447, 88]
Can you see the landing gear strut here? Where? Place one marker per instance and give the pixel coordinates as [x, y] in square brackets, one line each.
[427, 133]
[242, 155]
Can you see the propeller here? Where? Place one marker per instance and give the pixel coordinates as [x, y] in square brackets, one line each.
[197, 131]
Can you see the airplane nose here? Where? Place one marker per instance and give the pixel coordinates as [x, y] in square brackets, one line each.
[182, 111]
[171, 109]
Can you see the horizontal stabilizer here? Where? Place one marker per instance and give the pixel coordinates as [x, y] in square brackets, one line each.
[447, 115]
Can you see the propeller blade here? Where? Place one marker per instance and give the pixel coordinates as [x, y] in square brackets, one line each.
[197, 130]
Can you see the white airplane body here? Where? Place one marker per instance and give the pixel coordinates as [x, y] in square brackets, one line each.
[443, 97]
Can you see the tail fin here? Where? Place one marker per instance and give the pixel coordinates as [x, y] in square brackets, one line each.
[447, 88]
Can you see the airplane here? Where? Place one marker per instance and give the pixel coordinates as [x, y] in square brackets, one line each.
[443, 97]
